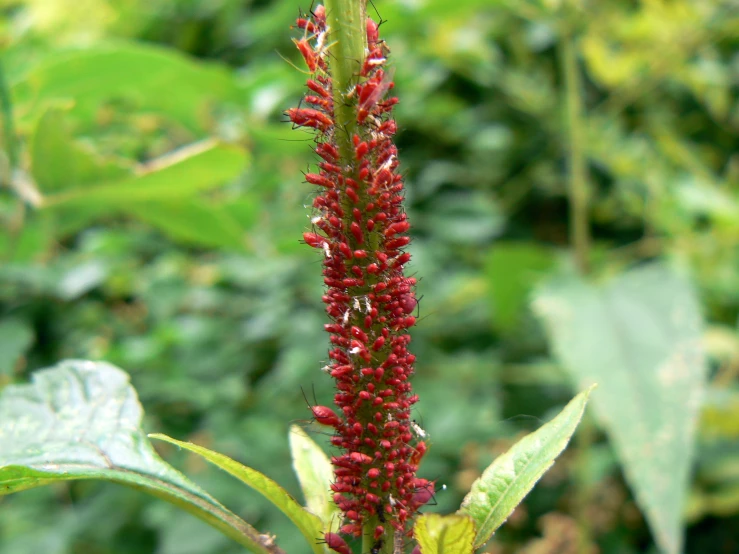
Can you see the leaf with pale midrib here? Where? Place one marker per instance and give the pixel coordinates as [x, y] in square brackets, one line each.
[506, 482]
[81, 420]
[307, 523]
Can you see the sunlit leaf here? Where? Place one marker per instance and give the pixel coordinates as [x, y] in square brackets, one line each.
[315, 473]
[151, 78]
[505, 483]
[451, 534]
[185, 172]
[639, 337]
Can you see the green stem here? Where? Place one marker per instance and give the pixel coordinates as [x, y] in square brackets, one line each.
[347, 36]
[578, 184]
[368, 541]
[580, 240]
[585, 439]
[6, 106]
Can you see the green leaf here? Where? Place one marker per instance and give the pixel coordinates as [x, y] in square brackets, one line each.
[639, 337]
[193, 221]
[513, 269]
[58, 162]
[16, 336]
[180, 174]
[505, 483]
[308, 524]
[451, 534]
[150, 78]
[315, 474]
[81, 420]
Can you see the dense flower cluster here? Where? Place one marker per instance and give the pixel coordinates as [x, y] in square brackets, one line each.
[360, 228]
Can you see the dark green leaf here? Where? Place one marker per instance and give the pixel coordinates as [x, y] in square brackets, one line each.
[513, 268]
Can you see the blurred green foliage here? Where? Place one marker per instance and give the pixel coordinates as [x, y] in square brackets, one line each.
[151, 207]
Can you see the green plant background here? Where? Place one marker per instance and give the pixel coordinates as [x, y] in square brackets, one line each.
[195, 282]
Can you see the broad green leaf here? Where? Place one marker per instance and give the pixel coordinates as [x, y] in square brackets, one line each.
[29, 243]
[513, 269]
[16, 336]
[505, 483]
[315, 474]
[309, 525]
[81, 420]
[451, 534]
[147, 77]
[183, 173]
[192, 220]
[639, 337]
[58, 162]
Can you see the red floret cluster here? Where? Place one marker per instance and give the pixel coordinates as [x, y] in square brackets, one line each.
[360, 229]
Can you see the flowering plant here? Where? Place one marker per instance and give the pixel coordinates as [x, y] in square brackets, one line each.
[82, 420]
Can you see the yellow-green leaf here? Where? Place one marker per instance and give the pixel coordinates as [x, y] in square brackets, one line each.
[309, 525]
[183, 173]
[505, 483]
[451, 534]
[315, 474]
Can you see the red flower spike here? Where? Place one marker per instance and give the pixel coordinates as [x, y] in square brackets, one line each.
[361, 231]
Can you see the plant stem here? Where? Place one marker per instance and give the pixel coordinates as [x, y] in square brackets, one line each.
[368, 541]
[9, 141]
[348, 42]
[578, 185]
[578, 194]
[8, 127]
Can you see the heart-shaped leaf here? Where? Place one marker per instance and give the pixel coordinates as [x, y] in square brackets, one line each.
[639, 337]
[81, 420]
[512, 475]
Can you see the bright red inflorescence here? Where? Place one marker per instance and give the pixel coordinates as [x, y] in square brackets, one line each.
[361, 230]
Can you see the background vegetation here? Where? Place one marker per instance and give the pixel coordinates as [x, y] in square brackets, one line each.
[186, 269]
